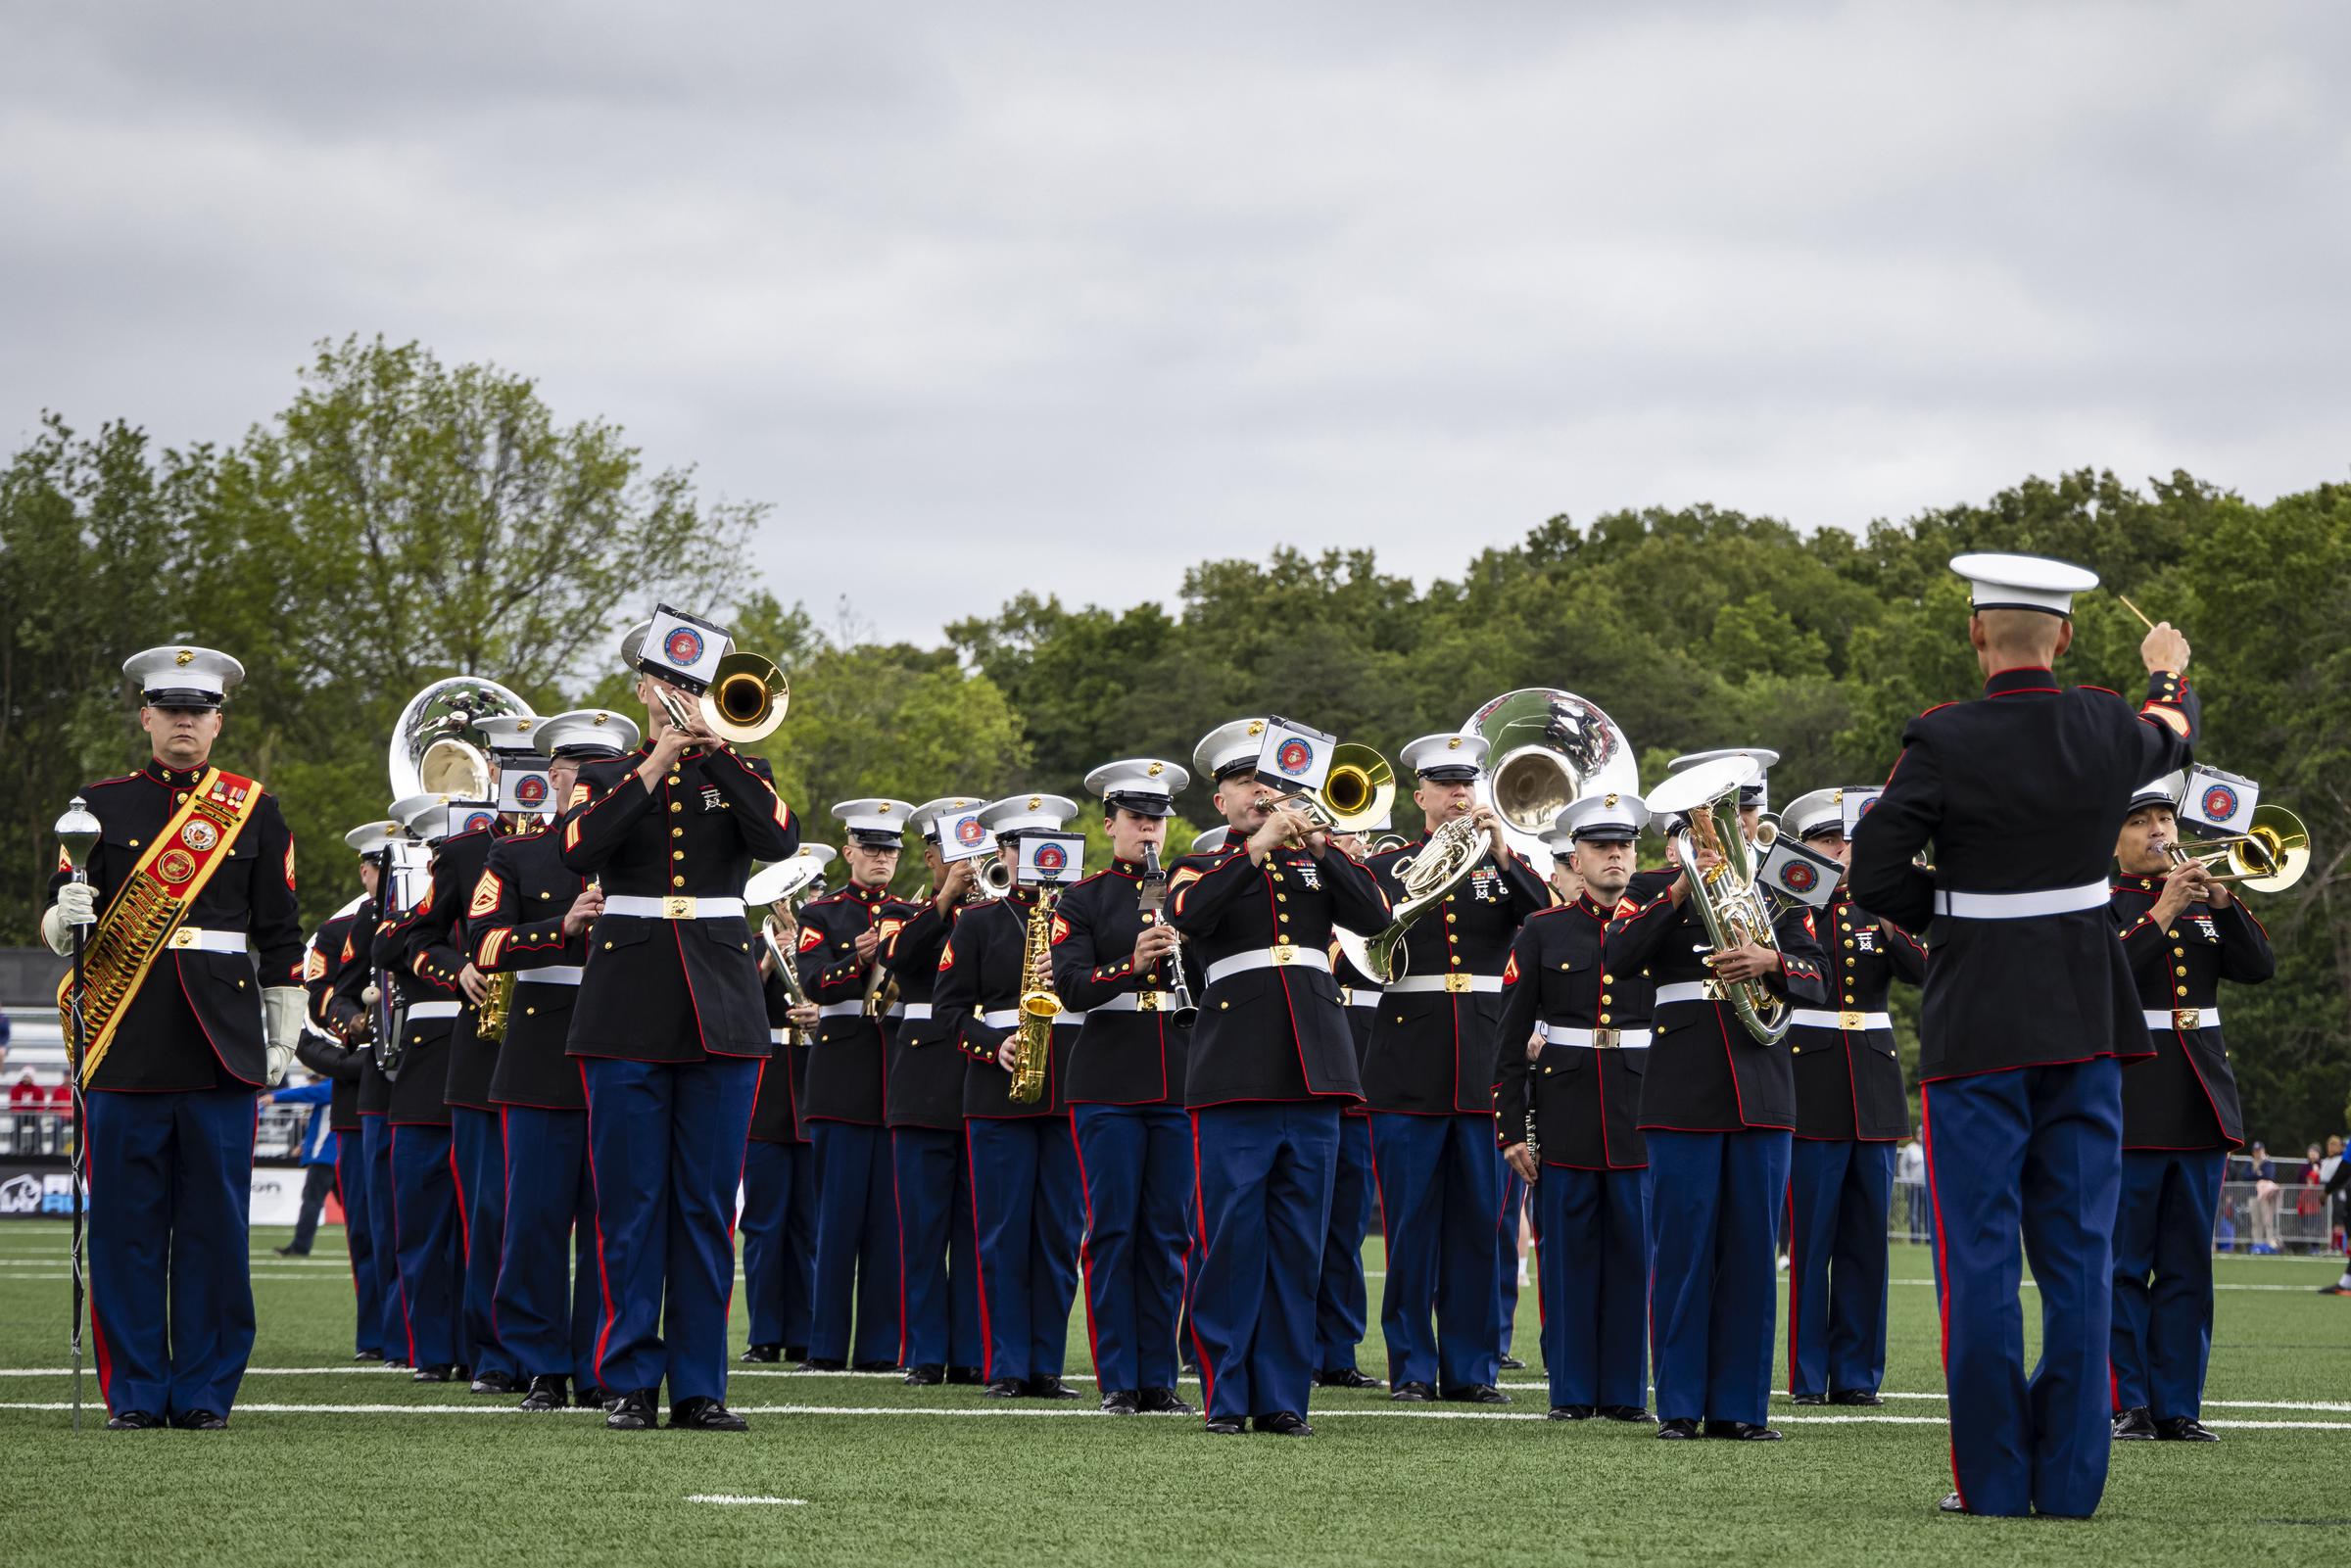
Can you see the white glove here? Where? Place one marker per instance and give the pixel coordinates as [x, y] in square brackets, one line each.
[283, 1007]
[76, 905]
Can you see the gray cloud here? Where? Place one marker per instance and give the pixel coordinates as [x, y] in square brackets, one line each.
[992, 297]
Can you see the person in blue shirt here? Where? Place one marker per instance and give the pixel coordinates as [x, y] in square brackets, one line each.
[317, 1160]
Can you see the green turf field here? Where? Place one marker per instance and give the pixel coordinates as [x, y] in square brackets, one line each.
[884, 1474]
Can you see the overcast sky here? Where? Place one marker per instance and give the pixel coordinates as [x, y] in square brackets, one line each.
[990, 296]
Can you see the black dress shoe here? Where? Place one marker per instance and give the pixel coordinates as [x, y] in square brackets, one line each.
[1346, 1377]
[494, 1383]
[633, 1412]
[822, 1363]
[1161, 1401]
[705, 1415]
[796, 1352]
[291, 1252]
[548, 1393]
[395, 1365]
[1859, 1397]
[1413, 1394]
[1569, 1412]
[2183, 1429]
[1950, 1504]
[1123, 1401]
[965, 1374]
[763, 1353]
[134, 1421]
[1742, 1432]
[1808, 1398]
[369, 1356]
[1477, 1394]
[200, 1421]
[1048, 1387]
[1511, 1363]
[1005, 1388]
[1225, 1426]
[1285, 1424]
[930, 1374]
[439, 1373]
[460, 1373]
[873, 1366]
[588, 1396]
[1634, 1413]
[1677, 1429]
[2336, 1289]
[2135, 1425]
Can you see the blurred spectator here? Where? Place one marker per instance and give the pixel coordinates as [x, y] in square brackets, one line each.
[28, 1098]
[1910, 1175]
[317, 1159]
[2262, 1171]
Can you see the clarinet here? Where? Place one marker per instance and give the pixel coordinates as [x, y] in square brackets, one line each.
[1152, 896]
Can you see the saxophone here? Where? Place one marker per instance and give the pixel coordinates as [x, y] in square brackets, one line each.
[1032, 1037]
[497, 1007]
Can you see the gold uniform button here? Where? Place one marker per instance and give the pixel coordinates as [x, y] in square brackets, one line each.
[677, 805]
[1796, 1050]
[1451, 918]
[1604, 980]
[2174, 935]
[1848, 941]
[677, 833]
[2182, 990]
[677, 854]
[1605, 997]
[1281, 898]
[1603, 1018]
[546, 895]
[677, 881]
[530, 1012]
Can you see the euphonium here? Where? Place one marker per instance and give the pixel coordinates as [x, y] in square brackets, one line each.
[1032, 1036]
[1729, 904]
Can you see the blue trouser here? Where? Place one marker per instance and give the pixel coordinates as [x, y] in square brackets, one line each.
[358, 1239]
[1440, 1189]
[546, 1313]
[1342, 1311]
[375, 1139]
[1716, 1201]
[1265, 1213]
[427, 1241]
[2037, 1150]
[479, 1141]
[779, 1243]
[1592, 1278]
[170, 1184]
[936, 1252]
[2162, 1334]
[1506, 1256]
[1840, 1198]
[665, 1142]
[856, 1245]
[1135, 1164]
[1027, 1206]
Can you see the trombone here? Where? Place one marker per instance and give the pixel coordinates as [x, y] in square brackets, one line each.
[1358, 789]
[745, 700]
[2268, 857]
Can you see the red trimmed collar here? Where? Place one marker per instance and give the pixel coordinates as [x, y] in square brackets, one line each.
[2022, 680]
[172, 778]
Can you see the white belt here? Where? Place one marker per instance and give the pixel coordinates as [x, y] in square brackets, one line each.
[778, 1036]
[1135, 1002]
[1456, 981]
[1596, 1039]
[911, 1009]
[679, 905]
[418, 1012]
[2024, 906]
[1003, 1017]
[1266, 957]
[1686, 992]
[552, 975]
[1359, 995]
[2185, 1017]
[1820, 1018]
[837, 1010]
[189, 938]
[1069, 1016]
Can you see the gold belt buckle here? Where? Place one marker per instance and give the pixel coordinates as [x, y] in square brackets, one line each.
[1853, 1020]
[2188, 1018]
[184, 937]
[1146, 1001]
[1608, 1038]
[1283, 953]
[1346, 996]
[677, 906]
[1456, 982]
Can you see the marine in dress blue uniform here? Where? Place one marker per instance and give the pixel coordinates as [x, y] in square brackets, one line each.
[938, 1251]
[670, 1033]
[848, 1095]
[354, 1013]
[1428, 1078]
[1850, 1109]
[1718, 1108]
[528, 914]
[1028, 1203]
[2184, 934]
[199, 1019]
[1272, 1063]
[779, 1173]
[1583, 1150]
[325, 1051]
[2027, 1011]
[1125, 1086]
[1342, 1305]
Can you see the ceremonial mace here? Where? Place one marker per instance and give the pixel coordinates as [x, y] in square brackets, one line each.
[77, 831]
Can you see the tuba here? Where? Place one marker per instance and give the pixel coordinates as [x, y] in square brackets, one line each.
[1730, 905]
[1545, 748]
[437, 745]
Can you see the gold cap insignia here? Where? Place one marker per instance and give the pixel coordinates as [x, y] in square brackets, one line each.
[1155, 770]
[1035, 801]
[1611, 801]
[186, 656]
[1257, 726]
[884, 810]
[1454, 744]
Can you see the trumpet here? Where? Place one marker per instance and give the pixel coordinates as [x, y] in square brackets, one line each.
[2268, 856]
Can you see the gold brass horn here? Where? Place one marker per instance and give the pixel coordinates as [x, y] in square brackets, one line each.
[437, 745]
[1358, 789]
[2268, 856]
[747, 699]
[1546, 748]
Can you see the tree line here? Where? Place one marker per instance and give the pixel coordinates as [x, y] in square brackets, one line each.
[402, 519]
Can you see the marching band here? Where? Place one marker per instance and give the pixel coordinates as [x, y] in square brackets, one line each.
[592, 989]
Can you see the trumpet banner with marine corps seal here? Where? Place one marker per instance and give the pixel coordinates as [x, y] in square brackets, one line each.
[137, 924]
